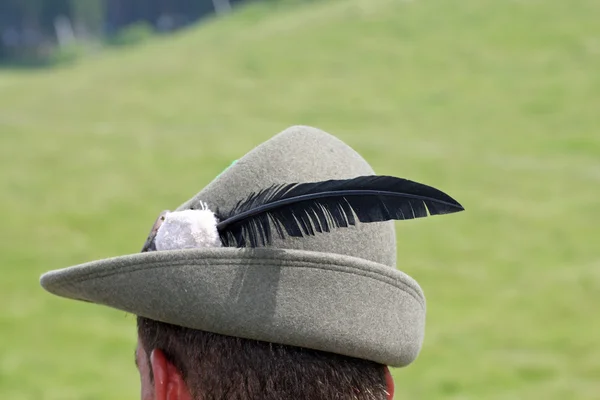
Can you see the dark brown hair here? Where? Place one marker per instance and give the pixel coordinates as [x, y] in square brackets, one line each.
[218, 367]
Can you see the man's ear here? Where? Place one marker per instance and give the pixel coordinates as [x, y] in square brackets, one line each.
[168, 382]
[389, 382]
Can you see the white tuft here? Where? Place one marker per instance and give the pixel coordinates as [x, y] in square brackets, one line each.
[188, 229]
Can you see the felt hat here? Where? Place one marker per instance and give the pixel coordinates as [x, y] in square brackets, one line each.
[320, 284]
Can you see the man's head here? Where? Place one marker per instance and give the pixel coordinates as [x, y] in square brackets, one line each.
[278, 280]
[178, 363]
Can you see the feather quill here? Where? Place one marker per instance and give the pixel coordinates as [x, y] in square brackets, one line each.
[303, 209]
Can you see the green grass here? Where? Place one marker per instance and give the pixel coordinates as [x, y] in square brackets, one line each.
[495, 102]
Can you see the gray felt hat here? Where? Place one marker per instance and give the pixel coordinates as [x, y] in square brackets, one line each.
[336, 291]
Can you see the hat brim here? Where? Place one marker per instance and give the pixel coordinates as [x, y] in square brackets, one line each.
[328, 302]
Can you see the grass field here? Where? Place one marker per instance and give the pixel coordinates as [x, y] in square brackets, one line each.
[495, 102]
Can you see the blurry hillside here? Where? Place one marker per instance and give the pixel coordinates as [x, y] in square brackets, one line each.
[495, 102]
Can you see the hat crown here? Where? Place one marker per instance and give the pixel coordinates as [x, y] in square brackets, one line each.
[302, 154]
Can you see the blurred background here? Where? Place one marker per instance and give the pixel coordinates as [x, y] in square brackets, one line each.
[111, 111]
[49, 32]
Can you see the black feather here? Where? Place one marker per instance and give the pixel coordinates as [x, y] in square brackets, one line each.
[306, 208]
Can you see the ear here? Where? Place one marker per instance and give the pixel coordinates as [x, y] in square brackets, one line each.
[389, 382]
[168, 382]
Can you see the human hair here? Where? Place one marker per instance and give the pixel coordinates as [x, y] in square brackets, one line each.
[219, 367]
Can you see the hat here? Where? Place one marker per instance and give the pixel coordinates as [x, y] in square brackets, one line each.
[293, 244]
